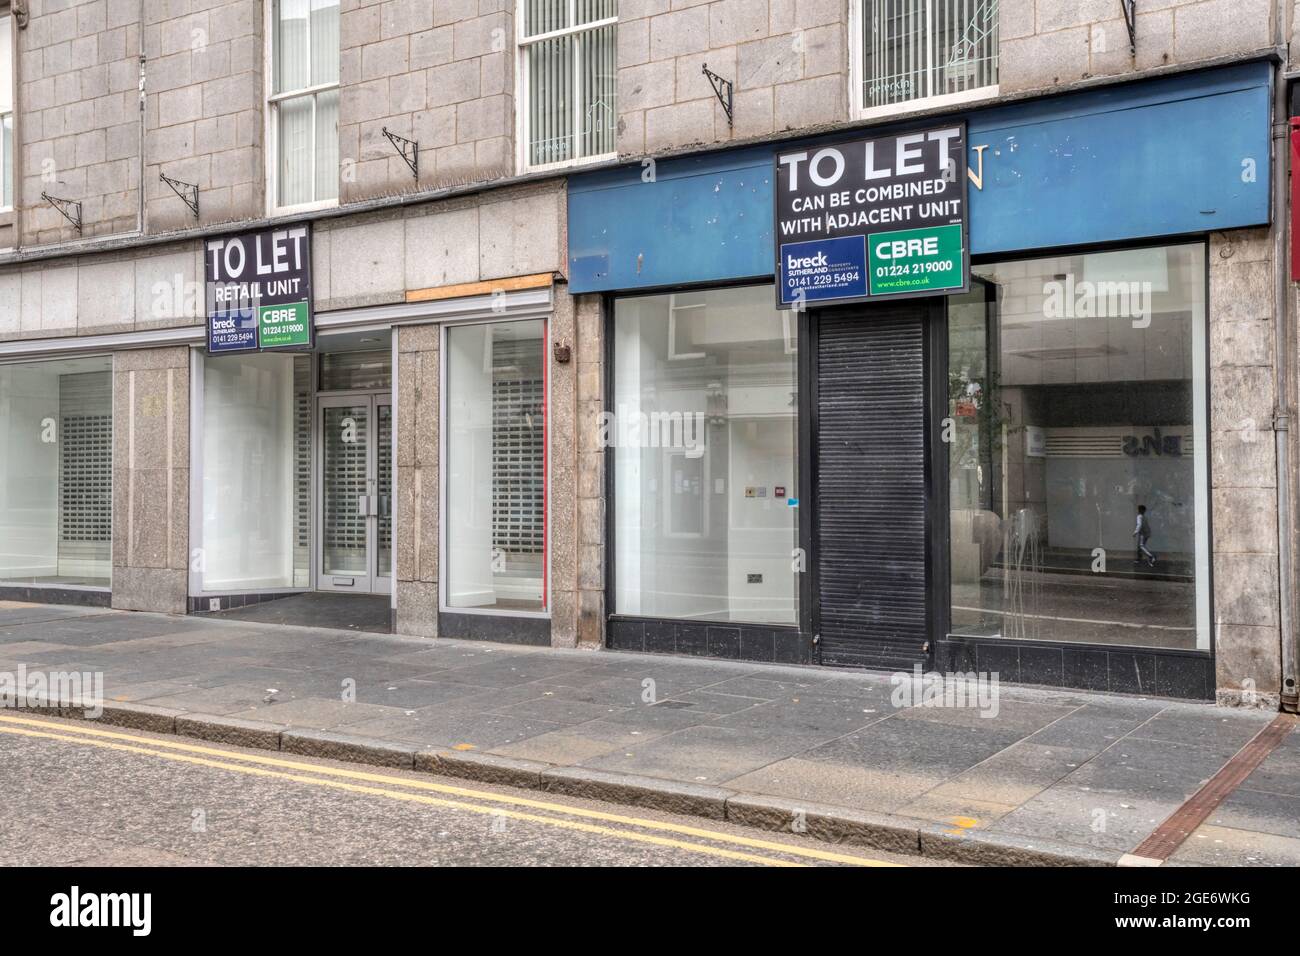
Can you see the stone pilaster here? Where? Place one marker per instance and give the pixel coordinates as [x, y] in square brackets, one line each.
[417, 479]
[151, 479]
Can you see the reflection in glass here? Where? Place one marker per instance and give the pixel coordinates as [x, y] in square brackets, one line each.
[56, 432]
[703, 427]
[496, 466]
[256, 471]
[1077, 397]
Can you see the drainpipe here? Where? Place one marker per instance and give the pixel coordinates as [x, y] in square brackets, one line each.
[1282, 369]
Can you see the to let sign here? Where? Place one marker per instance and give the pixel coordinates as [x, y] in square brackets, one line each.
[874, 218]
[258, 290]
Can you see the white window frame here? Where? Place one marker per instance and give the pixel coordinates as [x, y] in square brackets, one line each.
[857, 69]
[7, 59]
[523, 92]
[271, 116]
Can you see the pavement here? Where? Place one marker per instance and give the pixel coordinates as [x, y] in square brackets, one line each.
[1044, 777]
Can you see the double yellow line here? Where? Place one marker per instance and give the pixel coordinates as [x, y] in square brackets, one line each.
[740, 849]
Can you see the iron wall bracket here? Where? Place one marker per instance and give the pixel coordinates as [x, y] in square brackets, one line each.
[1130, 21]
[408, 149]
[69, 209]
[188, 192]
[725, 91]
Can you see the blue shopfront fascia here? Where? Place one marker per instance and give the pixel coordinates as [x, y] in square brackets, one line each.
[1179, 155]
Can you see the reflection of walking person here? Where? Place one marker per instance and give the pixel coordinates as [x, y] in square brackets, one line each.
[1142, 531]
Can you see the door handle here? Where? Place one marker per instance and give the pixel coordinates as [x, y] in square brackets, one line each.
[363, 505]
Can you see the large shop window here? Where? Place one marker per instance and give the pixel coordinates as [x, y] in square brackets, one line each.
[496, 466]
[926, 49]
[1079, 456]
[56, 468]
[569, 80]
[304, 103]
[703, 430]
[256, 472]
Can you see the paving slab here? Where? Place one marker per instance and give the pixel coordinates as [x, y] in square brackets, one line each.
[1062, 776]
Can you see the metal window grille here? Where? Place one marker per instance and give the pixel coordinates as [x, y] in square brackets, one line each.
[913, 49]
[345, 467]
[85, 471]
[302, 412]
[518, 449]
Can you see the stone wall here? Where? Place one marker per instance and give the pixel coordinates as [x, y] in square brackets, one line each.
[1048, 42]
[439, 72]
[153, 287]
[787, 58]
[151, 479]
[203, 110]
[77, 102]
[1244, 465]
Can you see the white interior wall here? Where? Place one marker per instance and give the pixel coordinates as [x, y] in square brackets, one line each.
[29, 481]
[469, 467]
[248, 482]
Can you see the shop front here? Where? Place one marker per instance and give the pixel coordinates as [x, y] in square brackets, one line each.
[1015, 463]
[299, 498]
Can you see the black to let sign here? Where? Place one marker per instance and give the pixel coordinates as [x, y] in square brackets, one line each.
[258, 290]
[874, 218]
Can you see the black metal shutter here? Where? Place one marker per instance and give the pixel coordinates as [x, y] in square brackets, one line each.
[871, 488]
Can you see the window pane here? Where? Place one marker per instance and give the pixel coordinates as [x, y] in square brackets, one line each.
[965, 45]
[7, 173]
[292, 45]
[6, 64]
[917, 48]
[589, 11]
[543, 16]
[327, 146]
[294, 144]
[704, 437]
[599, 58]
[324, 41]
[1079, 463]
[370, 370]
[496, 466]
[894, 52]
[550, 112]
[56, 427]
[256, 472]
[345, 432]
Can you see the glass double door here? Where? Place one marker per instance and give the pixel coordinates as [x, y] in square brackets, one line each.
[355, 438]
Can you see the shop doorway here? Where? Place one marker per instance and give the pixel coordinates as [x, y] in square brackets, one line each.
[872, 462]
[355, 461]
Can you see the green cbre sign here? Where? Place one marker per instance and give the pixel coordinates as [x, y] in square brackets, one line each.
[284, 326]
[928, 259]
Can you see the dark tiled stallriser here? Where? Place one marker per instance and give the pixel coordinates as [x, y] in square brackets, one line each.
[200, 605]
[1162, 673]
[75, 596]
[733, 642]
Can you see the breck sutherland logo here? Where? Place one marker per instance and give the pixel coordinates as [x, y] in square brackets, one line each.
[132, 910]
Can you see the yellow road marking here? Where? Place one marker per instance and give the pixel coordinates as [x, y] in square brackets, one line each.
[104, 738]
